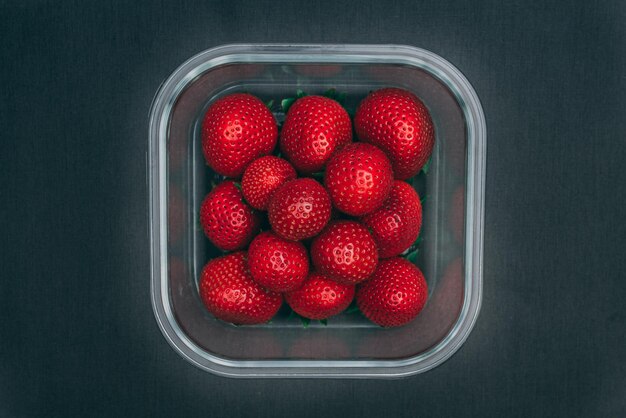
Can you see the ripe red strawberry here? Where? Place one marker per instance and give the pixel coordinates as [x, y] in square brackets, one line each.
[394, 295]
[345, 251]
[262, 178]
[315, 126]
[236, 130]
[399, 123]
[277, 264]
[396, 225]
[358, 178]
[299, 209]
[227, 221]
[229, 292]
[320, 297]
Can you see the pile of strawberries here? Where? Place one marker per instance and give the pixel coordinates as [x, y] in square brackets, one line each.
[339, 212]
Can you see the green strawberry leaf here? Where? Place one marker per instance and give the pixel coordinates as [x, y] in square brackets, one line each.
[412, 256]
[411, 253]
[237, 185]
[427, 166]
[270, 104]
[335, 95]
[423, 199]
[285, 104]
[300, 94]
[353, 308]
[330, 93]
[324, 321]
[305, 321]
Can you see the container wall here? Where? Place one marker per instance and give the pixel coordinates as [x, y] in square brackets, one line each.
[348, 336]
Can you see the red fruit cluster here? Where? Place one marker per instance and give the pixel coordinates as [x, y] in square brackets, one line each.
[316, 264]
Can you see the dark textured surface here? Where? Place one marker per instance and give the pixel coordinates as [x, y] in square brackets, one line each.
[77, 333]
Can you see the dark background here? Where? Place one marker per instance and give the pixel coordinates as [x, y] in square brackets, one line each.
[77, 332]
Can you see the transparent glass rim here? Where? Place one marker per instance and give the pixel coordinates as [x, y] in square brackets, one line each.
[161, 109]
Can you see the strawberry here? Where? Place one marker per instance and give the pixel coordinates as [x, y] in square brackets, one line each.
[395, 293]
[399, 123]
[229, 292]
[345, 251]
[236, 130]
[226, 219]
[358, 178]
[262, 177]
[314, 127]
[396, 225]
[277, 264]
[320, 297]
[299, 209]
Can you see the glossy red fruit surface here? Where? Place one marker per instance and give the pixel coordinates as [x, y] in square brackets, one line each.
[320, 297]
[345, 251]
[396, 224]
[394, 295]
[236, 130]
[314, 127]
[227, 220]
[276, 263]
[396, 121]
[299, 209]
[358, 178]
[262, 177]
[229, 292]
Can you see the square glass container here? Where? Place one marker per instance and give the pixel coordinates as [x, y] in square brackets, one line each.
[348, 346]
